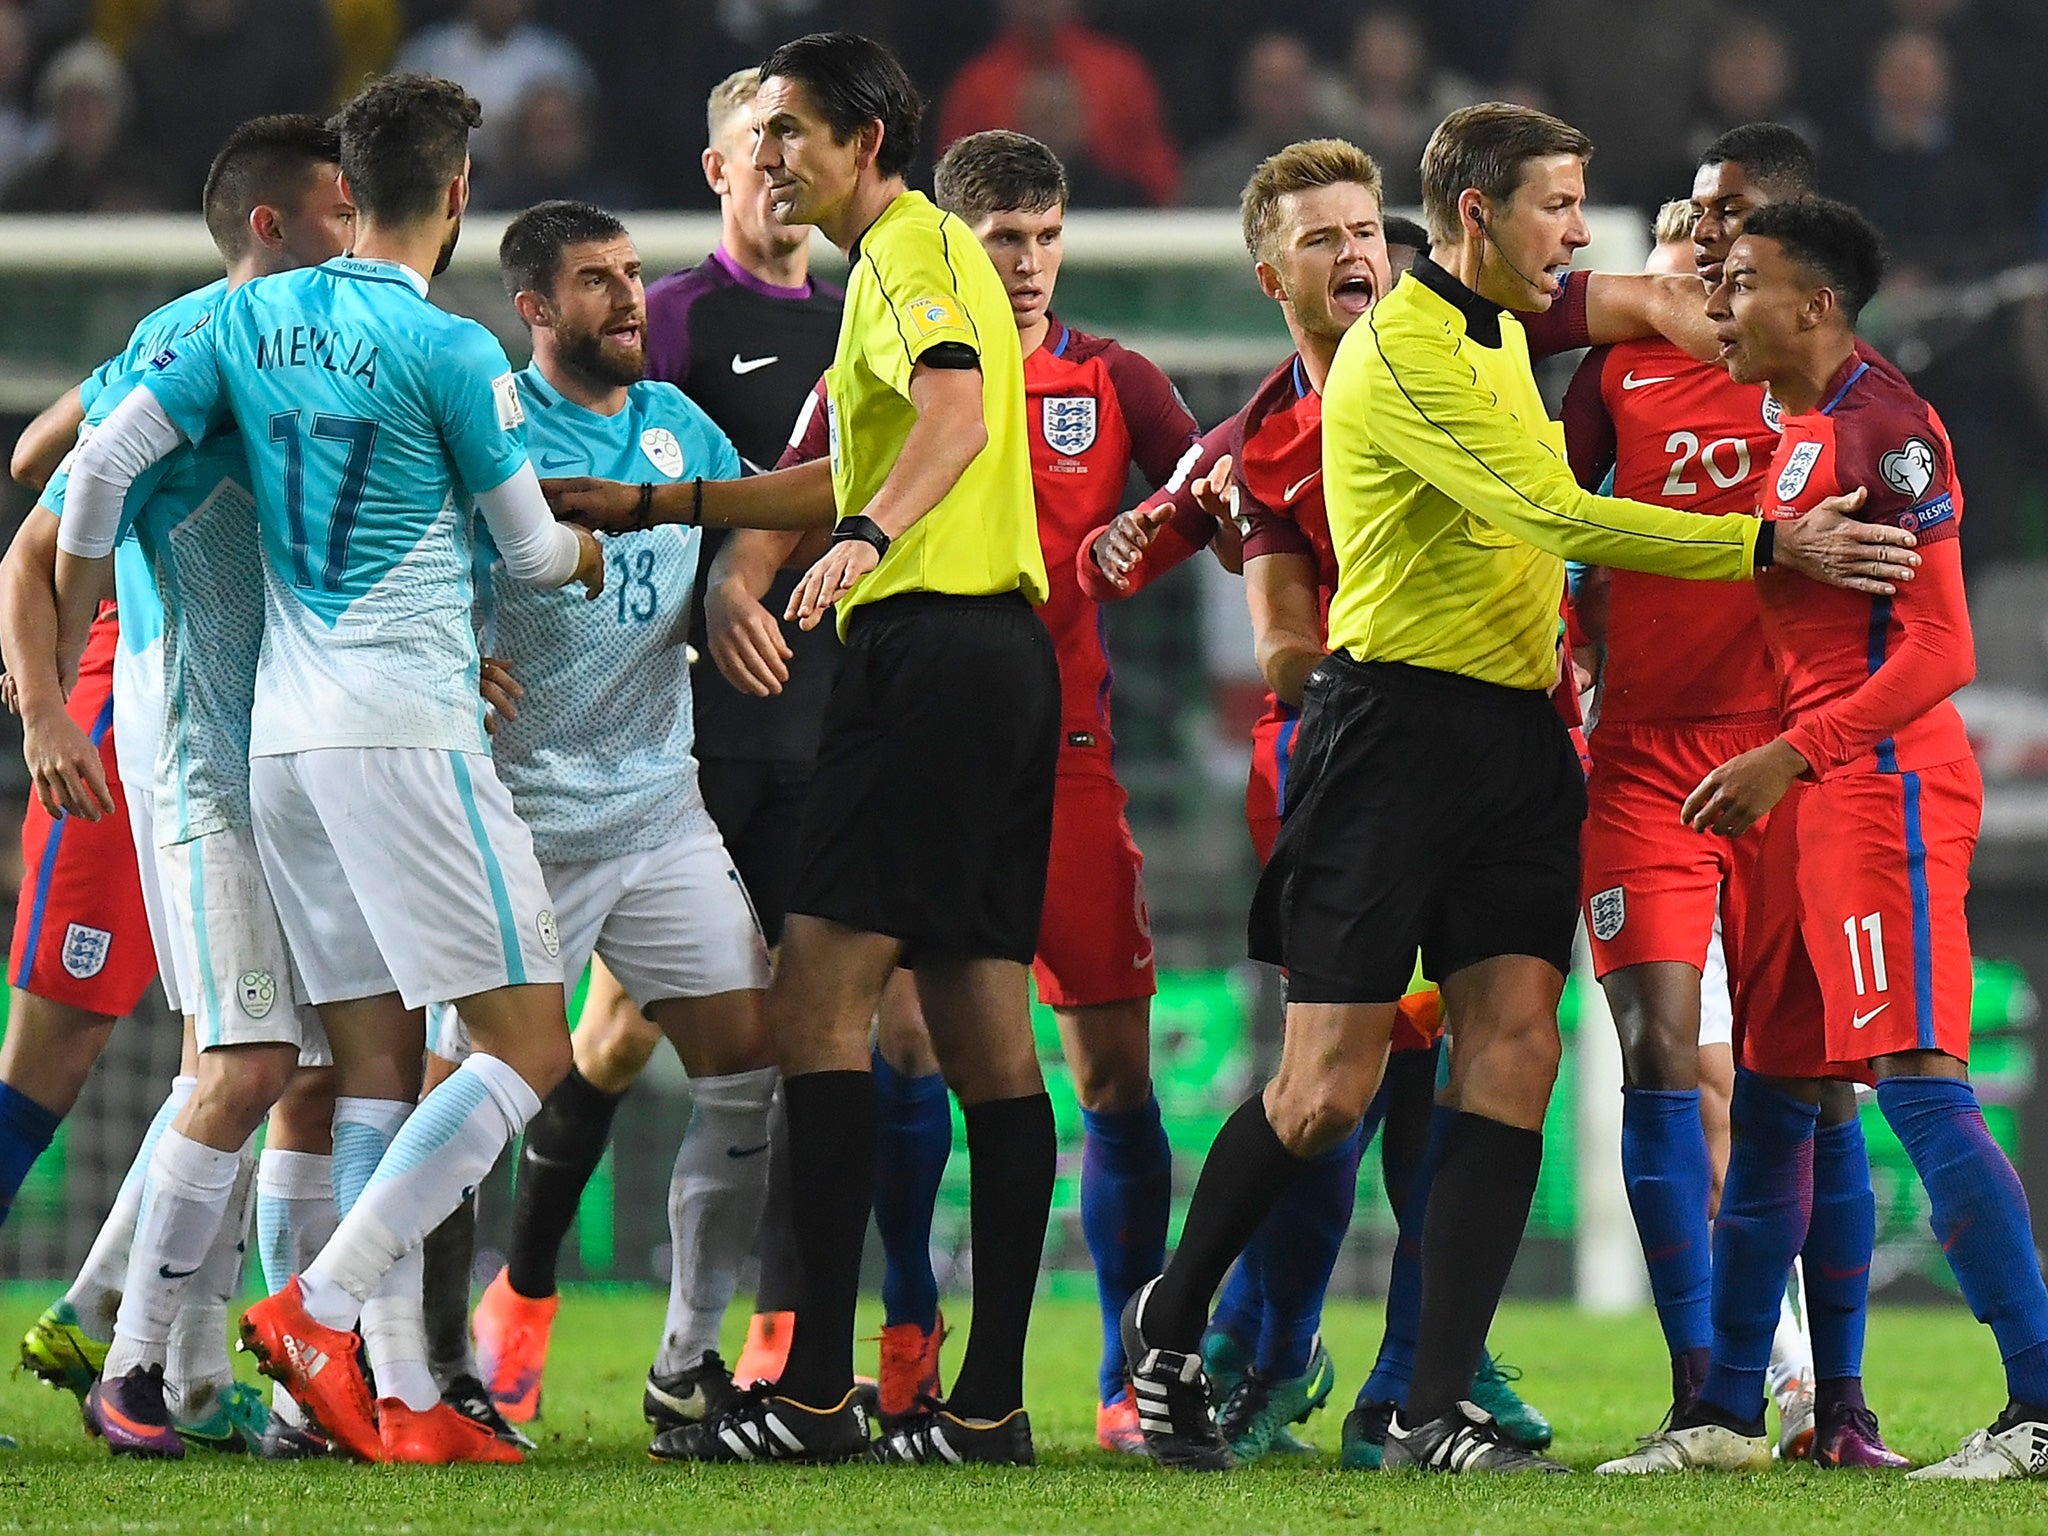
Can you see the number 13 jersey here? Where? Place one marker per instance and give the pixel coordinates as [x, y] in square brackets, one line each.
[1683, 434]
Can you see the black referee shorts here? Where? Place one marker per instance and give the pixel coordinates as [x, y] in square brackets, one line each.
[758, 806]
[1424, 811]
[930, 813]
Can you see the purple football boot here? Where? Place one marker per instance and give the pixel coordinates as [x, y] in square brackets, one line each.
[1846, 1435]
[131, 1416]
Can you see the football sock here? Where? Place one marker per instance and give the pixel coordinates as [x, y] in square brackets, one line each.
[446, 1260]
[295, 1217]
[1247, 1170]
[781, 1284]
[714, 1207]
[1298, 1243]
[1791, 1349]
[1126, 1187]
[913, 1140]
[832, 1190]
[391, 1323]
[185, 1199]
[1979, 1217]
[1012, 1150]
[1410, 1114]
[1388, 1382]
[25, 1131]
[1839, 1240]
[1766, 1207]
[563, 1146]
[1668, 1174]
[439, 1156]
[96, 1292]
[1477, 1210]
[196, 1369]
[1242, 1304]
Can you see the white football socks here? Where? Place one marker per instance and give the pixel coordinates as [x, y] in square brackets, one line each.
[96, 1293]
[184, 1201]
[197, 1370]
[715, 1197]
[295, 1217]
[1791, 1346]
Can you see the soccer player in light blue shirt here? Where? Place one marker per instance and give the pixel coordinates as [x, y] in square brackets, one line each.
[375, 425]
[597, 754]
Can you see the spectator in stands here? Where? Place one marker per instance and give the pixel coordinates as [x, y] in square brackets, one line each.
[1622, 73]
[366, 37]
[1050, 109]
[205, 65]
[1391, 97]
[91, 164]
[497, 54]
[1943, 212]
[553, 153]
[21, 136]
[1125, 129]
[1748, 78]
[1277, 92]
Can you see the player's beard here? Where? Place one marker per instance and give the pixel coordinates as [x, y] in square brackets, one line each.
[588, 355]
[447, 249]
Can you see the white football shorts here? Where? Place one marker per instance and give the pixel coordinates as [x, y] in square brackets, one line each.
[402, 869]
[1717, 1011]
[138, 711]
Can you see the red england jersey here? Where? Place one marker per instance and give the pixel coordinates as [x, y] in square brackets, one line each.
[1277, 448]
[1865, 681]
[1093, 411]
[1682, 434]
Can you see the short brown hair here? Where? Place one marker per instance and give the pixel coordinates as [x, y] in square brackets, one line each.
[1300, 167]
[1485, 147]
[734, 94]
[998, 171]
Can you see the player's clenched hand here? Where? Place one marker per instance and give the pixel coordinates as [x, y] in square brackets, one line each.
[65, 767]
[829, 580]
[1212, 492]
[1120, 546]
[10, 693]
[589, 563]
[501, 690]
[1740, 793]
[606, 505]
[745, 640]
[1831, 547]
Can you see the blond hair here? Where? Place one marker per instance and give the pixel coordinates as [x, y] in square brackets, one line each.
[1300, 167]
[1674, 222]
[732, 95]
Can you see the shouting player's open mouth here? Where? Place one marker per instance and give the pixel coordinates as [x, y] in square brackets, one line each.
[1353, 295]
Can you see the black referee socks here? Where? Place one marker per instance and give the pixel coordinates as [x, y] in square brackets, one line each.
[1246, 1170]
[563, 1146]
[831, 1188]
[1478, 1208]
[1012, 1150]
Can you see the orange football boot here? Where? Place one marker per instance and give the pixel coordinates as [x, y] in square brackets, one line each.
[511, 1333]
[910, 1368]
[1116, 1425]
[438, 1437]
[767, 1348]
[318, 1365]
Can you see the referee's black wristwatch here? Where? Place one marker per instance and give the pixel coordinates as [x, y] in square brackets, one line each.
[864, 528]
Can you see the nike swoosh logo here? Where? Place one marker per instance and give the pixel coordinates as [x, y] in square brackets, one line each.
[1630, 381]
[1862, 1019]
[557, 461]
[165, 1272]
[746, 1151]
[1294, 490]
[746, 365]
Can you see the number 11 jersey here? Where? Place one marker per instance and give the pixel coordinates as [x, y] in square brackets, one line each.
[370, 418]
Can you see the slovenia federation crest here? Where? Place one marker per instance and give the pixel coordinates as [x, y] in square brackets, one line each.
[550, 932]
[1798, 469]
[663, 451]
[1607, 912]
[85, 950]
[257, 993]
[1069, 423]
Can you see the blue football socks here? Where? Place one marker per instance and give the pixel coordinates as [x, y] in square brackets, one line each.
[1839, 1240]
[26, 1129]
[1669, 1176]
[1126, 1188]
[913, 1140]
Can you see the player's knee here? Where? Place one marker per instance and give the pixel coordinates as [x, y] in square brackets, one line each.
[611, 1050]
[1657, 1056]
[1311, 1115]
[237, 1087]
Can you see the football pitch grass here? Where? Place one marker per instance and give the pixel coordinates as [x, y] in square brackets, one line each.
[1933, 1376]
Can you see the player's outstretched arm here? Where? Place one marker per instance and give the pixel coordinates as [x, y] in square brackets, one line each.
[797, 498]
[537, 550]
[44, 441]
[1623, 306]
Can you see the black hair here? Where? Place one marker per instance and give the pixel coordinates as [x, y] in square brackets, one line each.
[403, 139]
[1771, 153]
[1401, 230]
[530, 254]
[267, 160]
[1831, 240]
[998, 171]
[854, 81]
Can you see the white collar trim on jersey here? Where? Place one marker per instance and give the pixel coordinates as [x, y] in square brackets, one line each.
[419, 283]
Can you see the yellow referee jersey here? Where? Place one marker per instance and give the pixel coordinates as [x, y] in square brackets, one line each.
[920, 278]
[1451, 506]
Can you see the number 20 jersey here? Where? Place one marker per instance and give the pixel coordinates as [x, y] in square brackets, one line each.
[1683, 434]
[371, 418]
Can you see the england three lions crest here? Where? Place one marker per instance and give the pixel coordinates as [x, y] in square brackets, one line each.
[1069, 422]
[85, 950]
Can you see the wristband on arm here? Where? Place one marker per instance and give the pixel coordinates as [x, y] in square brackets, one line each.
[866, 530]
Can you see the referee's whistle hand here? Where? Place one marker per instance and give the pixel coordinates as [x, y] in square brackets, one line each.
[829, 580]
[605, 505]
[1830, 546]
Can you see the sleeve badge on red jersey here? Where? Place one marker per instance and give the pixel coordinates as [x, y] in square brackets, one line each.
[1607, 912]
[1909, 468]
[1069, 423]
[1798, 469]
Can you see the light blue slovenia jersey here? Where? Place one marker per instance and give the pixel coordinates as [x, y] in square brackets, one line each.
[370, 419]
[598, 761]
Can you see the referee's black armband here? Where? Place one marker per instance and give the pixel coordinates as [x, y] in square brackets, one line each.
[950, 354]
[1766, 545]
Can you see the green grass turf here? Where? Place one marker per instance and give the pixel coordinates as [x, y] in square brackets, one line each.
[1934, 1376]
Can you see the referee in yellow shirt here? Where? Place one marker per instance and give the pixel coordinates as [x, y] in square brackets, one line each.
[1435, 799]
[929, 821]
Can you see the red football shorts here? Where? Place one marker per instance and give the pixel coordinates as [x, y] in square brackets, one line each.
[1860, 947]
[1651, 885]
[1095, 938]
[81, 935]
